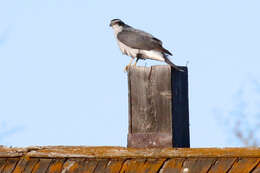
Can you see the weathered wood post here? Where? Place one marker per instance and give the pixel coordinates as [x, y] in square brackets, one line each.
[158, 107]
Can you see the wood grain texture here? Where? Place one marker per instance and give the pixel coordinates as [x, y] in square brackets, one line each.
[56, 166]
[10, 165]
[197, 165]
[21, 165]
[222, 165]
[41, 166]
[244, 165]
[90, 165]
[12, 152]
[257, 169]
[2, 163]
[185, 164]
[133, 166]
[153, 165]
[30, 165]
[74, 165]
[158, 107]
[172, 165]
[151, 99]
[122, 152]
[149, 139]
[114, 165]
[142, 165]
[101, 165]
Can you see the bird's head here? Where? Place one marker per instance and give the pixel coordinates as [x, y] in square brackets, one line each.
[117, 24]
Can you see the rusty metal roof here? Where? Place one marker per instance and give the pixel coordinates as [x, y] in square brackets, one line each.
[62, 159]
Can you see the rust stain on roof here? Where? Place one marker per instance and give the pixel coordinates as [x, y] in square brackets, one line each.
[61, 159]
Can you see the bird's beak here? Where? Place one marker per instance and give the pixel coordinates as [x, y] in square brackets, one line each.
[110, 24]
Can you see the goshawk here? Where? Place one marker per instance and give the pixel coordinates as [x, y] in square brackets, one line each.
[139, 44]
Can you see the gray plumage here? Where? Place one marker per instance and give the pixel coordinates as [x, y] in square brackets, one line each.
[139, 44]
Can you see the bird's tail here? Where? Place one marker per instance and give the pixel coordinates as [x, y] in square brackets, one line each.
[171, 64]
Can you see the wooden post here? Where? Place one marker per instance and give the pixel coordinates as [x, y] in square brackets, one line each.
[158, 107]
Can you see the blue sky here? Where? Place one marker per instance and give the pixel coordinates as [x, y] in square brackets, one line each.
[61, 71]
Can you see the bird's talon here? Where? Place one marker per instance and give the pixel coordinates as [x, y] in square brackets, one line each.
[126, 68]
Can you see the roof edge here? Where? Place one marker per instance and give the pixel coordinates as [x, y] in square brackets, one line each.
[122, 152]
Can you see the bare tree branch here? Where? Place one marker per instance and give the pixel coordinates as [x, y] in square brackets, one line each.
[243, 119]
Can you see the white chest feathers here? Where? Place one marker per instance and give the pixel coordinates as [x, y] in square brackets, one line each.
[146, 54]
[127, 50]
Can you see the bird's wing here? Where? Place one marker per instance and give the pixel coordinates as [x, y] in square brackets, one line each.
[141, 40]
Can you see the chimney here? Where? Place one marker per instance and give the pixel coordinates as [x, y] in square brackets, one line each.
[158, 107]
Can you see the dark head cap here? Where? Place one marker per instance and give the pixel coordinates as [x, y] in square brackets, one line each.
[116, 21]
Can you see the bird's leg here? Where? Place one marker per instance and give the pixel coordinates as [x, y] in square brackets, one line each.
[136, 61]
[127, 67]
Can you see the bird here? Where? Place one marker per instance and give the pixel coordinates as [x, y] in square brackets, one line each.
[139, 44]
